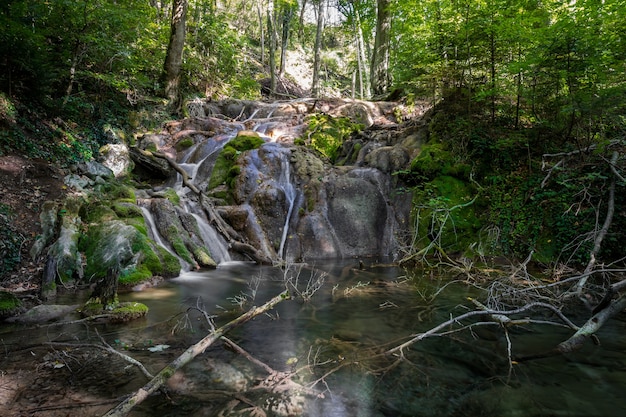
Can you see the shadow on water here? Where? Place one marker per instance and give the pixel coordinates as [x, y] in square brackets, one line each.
[338, 338]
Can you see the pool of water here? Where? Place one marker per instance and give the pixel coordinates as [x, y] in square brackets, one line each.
[333, 340]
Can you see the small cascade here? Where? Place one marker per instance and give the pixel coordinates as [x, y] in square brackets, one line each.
[154, 234]
[217, 247]
[284, 182]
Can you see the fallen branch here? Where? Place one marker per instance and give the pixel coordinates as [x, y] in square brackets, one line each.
[602, 233]
[155, 383]
[435, 331]
[592, 326]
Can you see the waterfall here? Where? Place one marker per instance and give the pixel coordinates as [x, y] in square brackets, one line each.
[154, 234]
[290, 195]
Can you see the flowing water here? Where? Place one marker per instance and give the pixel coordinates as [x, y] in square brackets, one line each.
[336, 338]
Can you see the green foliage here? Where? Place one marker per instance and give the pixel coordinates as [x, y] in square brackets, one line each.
[445, 212]
[326, 134]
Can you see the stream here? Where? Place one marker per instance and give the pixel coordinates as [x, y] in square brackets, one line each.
[332, 338]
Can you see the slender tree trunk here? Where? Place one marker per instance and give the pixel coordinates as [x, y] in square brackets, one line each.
[262, 30]
[492, 59]
[174, 56]
[518, 99]
[301, 21]
[318, 49]
[361, 59]
[75, 60]
[380, 60]
[284, 42]
[272, 51]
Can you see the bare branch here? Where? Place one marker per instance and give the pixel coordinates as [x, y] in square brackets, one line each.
[155, 383]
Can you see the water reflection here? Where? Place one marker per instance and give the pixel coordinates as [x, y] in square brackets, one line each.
[338, 338]
[358, 314]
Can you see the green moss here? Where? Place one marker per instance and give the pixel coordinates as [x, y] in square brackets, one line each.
[117, 312]
[97, 212]
[225, 168]
[138, 223]
[9, 304]
[129, 311]
[449, 202]
[172, 196]
[184, 144]
[181, 250]
[126, 210]
[431, 160]
[171, 264]
[136, 275]
[327, 133]
[203, 257]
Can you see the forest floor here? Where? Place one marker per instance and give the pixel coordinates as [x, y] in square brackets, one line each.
[25, 184]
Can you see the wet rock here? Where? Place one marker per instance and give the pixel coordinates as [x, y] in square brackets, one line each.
[94, 169]
[388, 159]
[43, 314]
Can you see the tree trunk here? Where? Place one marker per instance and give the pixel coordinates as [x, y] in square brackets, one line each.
[155, 383]
[364, 82]
[380, 60]
[106, 288]
[174, 56]
[262, 30]
[301, 21]
[318, 49]
[272, 51]
[284, 42]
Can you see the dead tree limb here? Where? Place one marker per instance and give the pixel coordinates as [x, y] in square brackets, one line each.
[437, 330]
[592, 326]
[155, 383]
[181, 171]
[597, 244]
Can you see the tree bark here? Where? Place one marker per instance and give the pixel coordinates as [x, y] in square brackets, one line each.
[272, 51]
[155, 383]
[284, 42]
[317, 61]
[174, 56]
[380, 59]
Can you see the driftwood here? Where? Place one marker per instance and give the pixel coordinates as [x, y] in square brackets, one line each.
[155, 383]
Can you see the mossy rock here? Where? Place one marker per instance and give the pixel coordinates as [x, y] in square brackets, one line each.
[126, 210]
[172, 196]
[116, 312]
[10, 305]
[97, 212]
[431, 161]
[225, 168]
[327, 133]
[184, 143]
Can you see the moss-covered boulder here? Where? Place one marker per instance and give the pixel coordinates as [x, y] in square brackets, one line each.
[181, 230]
[116, 244]
[225, 168]
[116, 312]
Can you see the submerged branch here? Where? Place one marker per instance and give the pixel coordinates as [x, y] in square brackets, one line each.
[140, 395]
